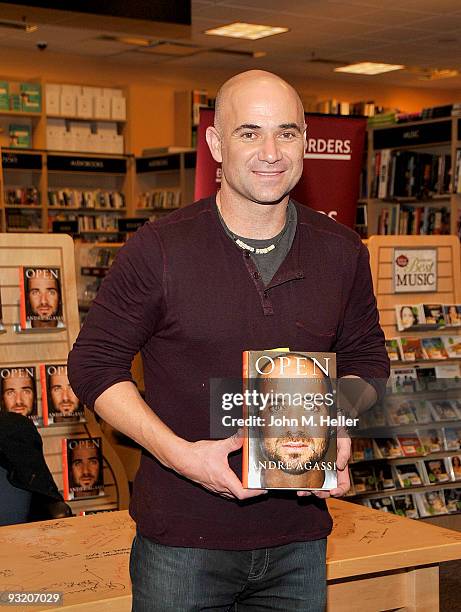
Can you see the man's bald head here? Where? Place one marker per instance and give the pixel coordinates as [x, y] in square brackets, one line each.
[245, 82]
[259, 137]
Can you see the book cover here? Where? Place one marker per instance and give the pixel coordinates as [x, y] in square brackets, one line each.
[411, 445]
[393, 349]
[362, 449]
[452, 438]
[409, 474]
[427, 378]
[405, 506]
[432, 440]
[436, 471]
[19, 391]
[41, 305]
[434, 348]
[59, 402]
[409, 316]
[431, 503]
[290, 441]
[422, 412]
[452, 314]
[364, 478]
[389, 447]
[412, 349]
[374, 417]
[433, 314]
[454, 467]
[452, 345]
[453, 500]
[82, 468]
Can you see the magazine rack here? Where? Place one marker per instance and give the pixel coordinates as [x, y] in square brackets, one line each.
[18, 349]
[448, 291]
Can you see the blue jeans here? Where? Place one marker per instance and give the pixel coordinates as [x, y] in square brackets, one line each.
[289, 578]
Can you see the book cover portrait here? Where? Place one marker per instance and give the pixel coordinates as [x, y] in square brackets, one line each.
[291, 439]
[40, 298]
[82, 467]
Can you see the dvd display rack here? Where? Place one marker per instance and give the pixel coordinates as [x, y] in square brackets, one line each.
[406, 457]
[39, 346]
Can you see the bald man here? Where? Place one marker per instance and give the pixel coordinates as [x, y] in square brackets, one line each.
[248, 269]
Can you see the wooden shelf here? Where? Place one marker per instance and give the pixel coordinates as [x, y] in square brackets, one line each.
[87, 119]
[27, 206]
[12, 113]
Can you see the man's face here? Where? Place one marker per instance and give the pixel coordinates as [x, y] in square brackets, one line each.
[300, 443]
[43, 297]
[18, 394]
[85, 466]
[64, 399]
[262, 141]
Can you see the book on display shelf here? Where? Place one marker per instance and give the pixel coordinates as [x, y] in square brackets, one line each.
[452, 314]
[393, 349]
[452, 438]
[384, 504]
[384, 476]
[405, 505]
[437, 471]
[433, 315]
[431, 503]
[409, 474]
[19, 391]
[388, 448]
[82, 467]
[409, 316]
[363, 478]
[400, 412]
[444, 410]
[434, 348]
[60, 405]
[454, 467]
[41, 303]
[290, 438]
[452, 346]
[411, 445]
[412, 349]
[431, 440]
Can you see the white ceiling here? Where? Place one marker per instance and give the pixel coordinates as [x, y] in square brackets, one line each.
[424, 33]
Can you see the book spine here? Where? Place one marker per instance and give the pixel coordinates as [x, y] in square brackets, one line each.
[246, 437]
[44, 394]
[22, 300]
[65, 470]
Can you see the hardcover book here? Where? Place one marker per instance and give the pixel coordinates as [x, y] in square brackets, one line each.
[82, 468]
[291, 420]
[389, 447]
[405, 506]
[432, 440]
[59, 402]
[411, 445]
[40, 305]
[433, 313]
[19, 391]
[412, 349]
[434, 348]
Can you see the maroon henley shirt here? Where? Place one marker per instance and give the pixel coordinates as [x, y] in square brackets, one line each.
[191, 301]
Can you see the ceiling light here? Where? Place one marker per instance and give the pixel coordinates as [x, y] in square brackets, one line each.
[249, 31]
[369, 68]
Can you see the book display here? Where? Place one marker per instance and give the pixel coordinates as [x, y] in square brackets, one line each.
[412, 176]
[416, 430]
[40, 324]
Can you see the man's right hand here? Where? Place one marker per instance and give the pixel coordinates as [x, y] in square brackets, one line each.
[207, 464]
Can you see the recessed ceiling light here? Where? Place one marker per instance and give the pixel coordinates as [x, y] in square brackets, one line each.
[249, 31]
[369, 68]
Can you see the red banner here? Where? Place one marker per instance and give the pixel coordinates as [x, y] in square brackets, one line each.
[331, 178]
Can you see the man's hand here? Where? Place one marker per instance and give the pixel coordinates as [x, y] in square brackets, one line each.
[343, 444]
[207, 464]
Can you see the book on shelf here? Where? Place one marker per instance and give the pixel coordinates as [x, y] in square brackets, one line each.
[454, 467]
[431, 503]
[452, 314]
[444, 410]
[422, 412]
[434, 348]
[384, 504]
[41, 300]
[82, 466]
[362, 449]
[89, 198]
[19, 391]
[384, 477]
[409, 316]
[409, 474]
[20, 136]
[404, 380]
[287, 444]
[452, 346]
[59, 402]
[412, 348]
[405, 505]
[22, 196]
[400, 412]
[160, 198]
[437, 471]
[433, 315]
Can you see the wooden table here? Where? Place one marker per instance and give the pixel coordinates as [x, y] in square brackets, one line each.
[376, 561]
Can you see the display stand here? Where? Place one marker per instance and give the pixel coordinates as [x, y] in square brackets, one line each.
[40, 347]
[447, 291]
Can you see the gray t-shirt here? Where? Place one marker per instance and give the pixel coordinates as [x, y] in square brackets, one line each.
[269, 263]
